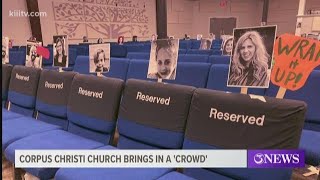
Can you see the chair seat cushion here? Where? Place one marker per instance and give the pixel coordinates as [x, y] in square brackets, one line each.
[110, 173]
[56, 139]
[175, 176]
[7, 115]
[310, 142]
[18, 128]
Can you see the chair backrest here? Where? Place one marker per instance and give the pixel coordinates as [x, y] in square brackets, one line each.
[191, 74]
[198, 51]
[17, 57]
[195, 44]
[219, 120]
[82, 65]
[23, 89]
[309, 93]
[182, 51]
[184, 44]
[217, 59]
[118, 68]
[93, 106]
[6, 74]
[118, 50]
[52, 96]
[72, 56]
[197, 58]
[218, 78]
[138, 69]
[138, 55]
[153, 115]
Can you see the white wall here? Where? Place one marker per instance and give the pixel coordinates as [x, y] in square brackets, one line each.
[98, 18]
[16, 28]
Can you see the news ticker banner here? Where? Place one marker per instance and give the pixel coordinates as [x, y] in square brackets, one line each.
[159, 158]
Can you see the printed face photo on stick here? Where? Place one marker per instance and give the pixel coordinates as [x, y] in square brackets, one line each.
[32, 58]
[5, 50]
[227, 45]
[205, 44]
[99, 58]
[251, 57]
[163, 59]
[60, 51]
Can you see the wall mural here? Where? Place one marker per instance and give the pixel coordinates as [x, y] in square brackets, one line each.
[101, 18]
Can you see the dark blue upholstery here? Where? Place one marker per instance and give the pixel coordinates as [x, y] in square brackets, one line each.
[118, 68]
[48, 62]
[82, 65]
[22, 110]
[136, 48]
[198, 51]
[6, 75]
[15, 129]
[55, 139]
[216, 59]
[197, 58]
[218, 77]
[185, 44]
[17, 57]
[310, 142]
[138, 55]
[182, 51]
[72, 56]
[217, 52]
[195, 44]
[118, 51]
[190, 74]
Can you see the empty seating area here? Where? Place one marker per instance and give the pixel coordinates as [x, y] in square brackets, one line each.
[115, 116]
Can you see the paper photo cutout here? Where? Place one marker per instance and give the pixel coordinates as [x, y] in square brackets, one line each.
[199, 37]
[120, 40]
[163, 59]
[60, 51]
[205, 44]
[5, 50]
[294, 59]
[171, 37]
[99, 58]
[154, 37]
[33, 59]
[227, 46]
[251, 57]
[212, 36]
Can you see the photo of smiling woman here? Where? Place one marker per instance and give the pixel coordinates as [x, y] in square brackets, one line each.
[163, 59]
[251, 57]
[60, 51]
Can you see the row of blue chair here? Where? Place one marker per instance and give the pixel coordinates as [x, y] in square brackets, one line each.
[68, 119]
[215, 76]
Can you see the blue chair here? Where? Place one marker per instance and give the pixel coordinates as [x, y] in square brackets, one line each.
[17, 57]
[195, 44]
[138, 70]
[309, 93]
[218, 78]
[198, 51]
[118, 51]
[182, 51]
[118, 68]
[217, 52]
[138, 55]
[197, 58]
[52, 97]
[23, 89]
[185, 44]
[48, 62]
[82, 65]
[92, 121]
[158, 127]
[217, 59]
[135, 48]
[206, 130]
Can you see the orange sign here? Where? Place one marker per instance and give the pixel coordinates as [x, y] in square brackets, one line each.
[295, 58]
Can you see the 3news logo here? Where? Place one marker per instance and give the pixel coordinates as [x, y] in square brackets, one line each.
[275, 158]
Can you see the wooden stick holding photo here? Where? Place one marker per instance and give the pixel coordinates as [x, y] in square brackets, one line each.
[159, 80]
[281, 93]
[60, 69]
[99, 74]
[244, 90]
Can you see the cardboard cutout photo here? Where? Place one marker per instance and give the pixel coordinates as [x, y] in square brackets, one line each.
[199, 37]
[251, 57]
[163, 59]
[5, 50]
[60, 51]
[33, 59]
[154, 37]
[205, 44]
[120, 40]
[212, 36]
[99, 58]
[227, 46]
